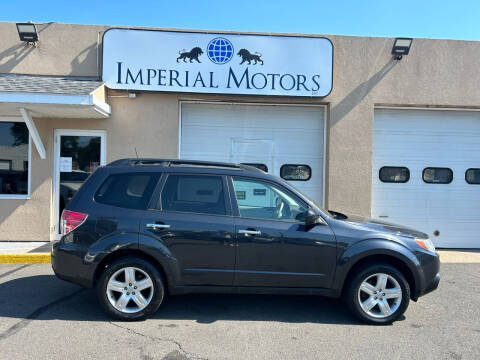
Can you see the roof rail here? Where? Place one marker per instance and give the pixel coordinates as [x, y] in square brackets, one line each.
[173, 162]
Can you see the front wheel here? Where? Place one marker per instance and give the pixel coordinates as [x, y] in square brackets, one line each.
[130, 288]
[378, 294]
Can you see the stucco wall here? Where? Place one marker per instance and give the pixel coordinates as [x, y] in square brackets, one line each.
[435, 73]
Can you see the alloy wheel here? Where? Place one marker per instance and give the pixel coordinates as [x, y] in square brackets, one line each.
[130, 290]
[380, 295]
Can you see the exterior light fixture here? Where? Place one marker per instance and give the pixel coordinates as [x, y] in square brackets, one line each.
[27, 32]
[401, 47]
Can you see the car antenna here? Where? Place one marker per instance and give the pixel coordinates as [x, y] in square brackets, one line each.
[136, 152]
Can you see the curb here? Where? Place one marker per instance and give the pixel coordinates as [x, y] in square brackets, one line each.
[37, 258]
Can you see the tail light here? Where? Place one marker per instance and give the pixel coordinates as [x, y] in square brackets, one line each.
[70, 220]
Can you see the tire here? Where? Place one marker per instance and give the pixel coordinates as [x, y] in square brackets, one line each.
[374, 294]
[140, 299]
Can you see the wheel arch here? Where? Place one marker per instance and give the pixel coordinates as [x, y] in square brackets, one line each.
[382, 259]
[118, 254]
[373, 251]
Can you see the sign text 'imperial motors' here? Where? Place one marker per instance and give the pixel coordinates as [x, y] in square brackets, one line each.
[213, 63]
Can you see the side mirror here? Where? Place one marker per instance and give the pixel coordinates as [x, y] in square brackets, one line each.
[311, 218]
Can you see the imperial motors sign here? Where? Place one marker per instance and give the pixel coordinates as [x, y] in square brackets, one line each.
[217, 63]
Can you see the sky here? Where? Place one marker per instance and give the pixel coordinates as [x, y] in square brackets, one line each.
[440, 19]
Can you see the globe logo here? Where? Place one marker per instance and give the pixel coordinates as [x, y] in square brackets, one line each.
[220, 51]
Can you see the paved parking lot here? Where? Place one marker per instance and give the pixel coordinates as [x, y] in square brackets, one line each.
[42, 317]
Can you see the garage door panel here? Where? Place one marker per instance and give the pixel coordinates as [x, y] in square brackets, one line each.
[418, 139]
[296, 132]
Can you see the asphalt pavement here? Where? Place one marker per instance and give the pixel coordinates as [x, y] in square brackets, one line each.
[42, 317]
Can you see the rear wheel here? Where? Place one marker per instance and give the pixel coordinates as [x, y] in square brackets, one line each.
[130, 288]
[378, 294]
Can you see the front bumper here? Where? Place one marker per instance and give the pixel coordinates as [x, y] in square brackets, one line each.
[429, 266]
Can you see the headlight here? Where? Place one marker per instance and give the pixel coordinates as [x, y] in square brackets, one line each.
[427, 244]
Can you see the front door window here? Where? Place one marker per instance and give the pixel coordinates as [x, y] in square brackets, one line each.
[263, 200]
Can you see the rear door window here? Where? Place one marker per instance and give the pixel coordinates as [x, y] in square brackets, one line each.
[200, 194]
[132, 191]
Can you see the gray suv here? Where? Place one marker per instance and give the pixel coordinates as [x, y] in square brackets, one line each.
[141, 229]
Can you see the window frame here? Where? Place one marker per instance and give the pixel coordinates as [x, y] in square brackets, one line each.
[470, 183]
[157, 203]
[29, 180]
[436, 183]
[393, 182]
[236, 210]
[281, 167]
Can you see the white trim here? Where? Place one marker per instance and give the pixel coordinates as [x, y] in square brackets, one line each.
[230, 102]
[17, 118]
[20, 196]
[54, 216]
[33, 133]
[100, 106]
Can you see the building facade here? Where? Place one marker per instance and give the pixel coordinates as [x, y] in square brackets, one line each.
[397, 140]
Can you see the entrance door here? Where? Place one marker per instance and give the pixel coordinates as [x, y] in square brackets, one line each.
[77, 154]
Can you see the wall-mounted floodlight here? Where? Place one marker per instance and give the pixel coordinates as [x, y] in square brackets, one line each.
[401, 47]
[27, 32]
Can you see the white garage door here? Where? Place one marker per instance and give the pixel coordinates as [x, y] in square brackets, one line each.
[260, 134]
[441, 150]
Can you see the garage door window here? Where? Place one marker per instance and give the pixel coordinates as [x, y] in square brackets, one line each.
[434, 175]
[14, 164]
[472, 176]
[194, 194]
[294, 172]
[394, 174]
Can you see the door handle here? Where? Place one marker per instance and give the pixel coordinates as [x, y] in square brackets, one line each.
[250, 232]
[158, 226]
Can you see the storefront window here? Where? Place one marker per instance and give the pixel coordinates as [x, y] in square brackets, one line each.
[14, 142]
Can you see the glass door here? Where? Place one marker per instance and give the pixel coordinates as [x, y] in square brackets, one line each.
[78, 153]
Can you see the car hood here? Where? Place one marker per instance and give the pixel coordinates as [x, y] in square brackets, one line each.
[383, 226]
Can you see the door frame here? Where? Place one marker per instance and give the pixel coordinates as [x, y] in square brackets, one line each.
[54, 216]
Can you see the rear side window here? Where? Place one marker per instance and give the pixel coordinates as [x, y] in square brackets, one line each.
[472, 176]
[434, 175]
[132, 191]
[394, 174]
[200, 194]
[294, 172]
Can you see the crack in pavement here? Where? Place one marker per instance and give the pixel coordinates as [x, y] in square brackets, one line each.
[35, 314]
[180, 347]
